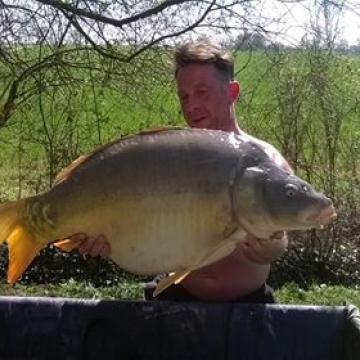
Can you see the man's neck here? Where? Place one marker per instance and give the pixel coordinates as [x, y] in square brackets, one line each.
[232, 126]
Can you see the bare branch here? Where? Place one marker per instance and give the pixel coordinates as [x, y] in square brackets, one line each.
[107, 20]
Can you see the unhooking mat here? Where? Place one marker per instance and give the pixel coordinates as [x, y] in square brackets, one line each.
[55, 328]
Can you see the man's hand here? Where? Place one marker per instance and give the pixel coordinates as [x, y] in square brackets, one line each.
[93, 246]
[264, 251]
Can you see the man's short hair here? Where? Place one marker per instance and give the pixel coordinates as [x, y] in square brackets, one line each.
[205, 52]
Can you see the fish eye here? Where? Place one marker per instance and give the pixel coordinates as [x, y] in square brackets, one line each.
[290, 190]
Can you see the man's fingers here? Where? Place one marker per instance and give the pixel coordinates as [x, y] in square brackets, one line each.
[93, 246]
[265, 251]
[254, 250]
[86, 246]
[105, 251]
[98, 246]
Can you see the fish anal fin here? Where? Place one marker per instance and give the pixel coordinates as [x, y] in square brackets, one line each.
[173, 278]
[67, 244]
[22, 250]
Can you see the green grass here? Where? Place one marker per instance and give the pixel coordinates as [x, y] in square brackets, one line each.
[288, 294]
[72, 289]
[319, 295]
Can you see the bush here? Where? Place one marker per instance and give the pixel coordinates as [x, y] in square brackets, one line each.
[330, 256]
[54, 266]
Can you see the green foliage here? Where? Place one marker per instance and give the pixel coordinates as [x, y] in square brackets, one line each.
[306, 103]
[322, 294]
[328, 256]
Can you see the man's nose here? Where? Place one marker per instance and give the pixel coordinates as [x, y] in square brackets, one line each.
[192, 104]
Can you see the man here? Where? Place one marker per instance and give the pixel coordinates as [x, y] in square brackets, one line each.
[207, 92]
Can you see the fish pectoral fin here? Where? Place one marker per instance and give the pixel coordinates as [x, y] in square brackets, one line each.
[173, 278]
[222, 250]
[22, 250]
[67, 244]
[225, 248]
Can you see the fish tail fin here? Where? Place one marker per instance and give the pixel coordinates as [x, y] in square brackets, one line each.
[21, 243]
[173, 278]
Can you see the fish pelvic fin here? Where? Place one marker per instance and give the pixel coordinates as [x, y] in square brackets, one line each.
[67, 244]
[22, 244]
[173, 278]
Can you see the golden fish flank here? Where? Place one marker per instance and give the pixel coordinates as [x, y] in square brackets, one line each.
[168, 201]
[38, 217]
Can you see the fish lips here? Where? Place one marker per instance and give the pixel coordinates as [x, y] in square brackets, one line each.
[321, 216]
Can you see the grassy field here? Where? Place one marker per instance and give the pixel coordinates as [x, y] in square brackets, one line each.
[288, 294]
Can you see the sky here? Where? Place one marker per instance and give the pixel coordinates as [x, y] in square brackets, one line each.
[295, 18]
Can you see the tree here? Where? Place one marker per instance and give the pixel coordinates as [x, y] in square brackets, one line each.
[64, 34]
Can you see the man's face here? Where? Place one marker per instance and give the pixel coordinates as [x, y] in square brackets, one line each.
[205, 99]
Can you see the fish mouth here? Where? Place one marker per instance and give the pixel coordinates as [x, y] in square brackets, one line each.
[322, 216]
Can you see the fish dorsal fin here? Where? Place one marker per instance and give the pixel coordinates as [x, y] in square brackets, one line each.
[155, 129]
[67, 171]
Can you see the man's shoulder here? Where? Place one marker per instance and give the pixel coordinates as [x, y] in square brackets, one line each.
[271, 151]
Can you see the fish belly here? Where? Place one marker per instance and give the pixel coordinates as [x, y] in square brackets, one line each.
[167, 234]
[155, 234]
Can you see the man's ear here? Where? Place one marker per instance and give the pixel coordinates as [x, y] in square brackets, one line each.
[234, 91]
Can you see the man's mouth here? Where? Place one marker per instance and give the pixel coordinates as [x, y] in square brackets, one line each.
[198, 120]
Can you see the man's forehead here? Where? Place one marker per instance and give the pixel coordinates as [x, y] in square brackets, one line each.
[197, 68]
[197, 74]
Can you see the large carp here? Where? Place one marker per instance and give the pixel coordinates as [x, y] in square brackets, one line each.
[168, 200]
